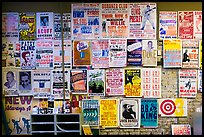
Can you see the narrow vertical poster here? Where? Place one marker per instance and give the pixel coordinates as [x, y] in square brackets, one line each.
[197, 25]
[96, 82]
[188, 83]
[118, 53]
[81, 53]
[151, 82]
[90, 109]
[175, 107]
[58, 88]
[142, 20]
[181, 129]
[185, 24]
[78, 81]
[45, 25]
[114, 81]
[41, 83]
[66, 19]
[167, 25]
[25, 82]
[44, 54]
[149, 113]
[149, 52]
[134, 52]
[129, 115]
[100, 53]
[132, 87]
[10, 82]
[28, 54]
[85, 21]
[76, 102]
[57, 26]
[27, 26]
[200, 80]
[10, 26]
[108, 113]
[200, 54]
[190, 56]
[114, 20]
[172, 53]
[18, 111]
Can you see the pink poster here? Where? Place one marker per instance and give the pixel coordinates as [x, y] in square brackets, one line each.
[197, 24]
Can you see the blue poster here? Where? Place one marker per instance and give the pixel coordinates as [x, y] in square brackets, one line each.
[134, 52]
[90, 110]
[149, 113]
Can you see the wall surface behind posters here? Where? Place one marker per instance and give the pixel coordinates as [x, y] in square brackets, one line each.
[169, 76]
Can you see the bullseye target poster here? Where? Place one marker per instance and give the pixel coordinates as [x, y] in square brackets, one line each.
[175, 107]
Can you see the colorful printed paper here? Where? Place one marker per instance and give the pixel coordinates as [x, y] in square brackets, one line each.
[181, 129]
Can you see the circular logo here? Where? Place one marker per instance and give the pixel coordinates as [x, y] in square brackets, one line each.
[168, 107]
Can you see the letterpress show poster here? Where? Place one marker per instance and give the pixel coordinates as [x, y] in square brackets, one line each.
[185, 24]
[45, 25]
[168, 25]
[142, 20]
[114, 20]
[181, 129]
[85, 21]
[57, 26]
[66, 18]
[197, 24]
[200, 80]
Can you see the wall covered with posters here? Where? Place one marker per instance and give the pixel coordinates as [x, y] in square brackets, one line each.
[127, 68]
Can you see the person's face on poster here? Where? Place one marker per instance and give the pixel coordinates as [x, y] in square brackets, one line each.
[25, 81]
[27, 57]
[9, 77]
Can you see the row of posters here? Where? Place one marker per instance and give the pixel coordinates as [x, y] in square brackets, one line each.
[103, 20]
[129, 82]
[47, 54]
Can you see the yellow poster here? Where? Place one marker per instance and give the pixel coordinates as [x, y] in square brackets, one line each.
[87, 130]
[200, 54]
[173, 107]
[108, 113]
[133, 82]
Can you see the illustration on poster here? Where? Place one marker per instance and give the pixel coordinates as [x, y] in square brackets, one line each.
[146, 14]
[11, 82]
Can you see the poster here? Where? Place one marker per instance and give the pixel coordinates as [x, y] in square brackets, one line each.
[45, 25]
[27, 26]
[78, 81]
[10, 26]
[172, 53]
[76, 102]
[10, 82]
[151, 82]
[142, 20]
[175, 107]
[149, 52]
[85, 21]
[11, 54]
[185, 24]
[149, 113]
[181, 129]
[117, 53]
[132, 87]
[44, 54]
[58, 54]
[200, 80]
[114, 20]
[114, 81]
[108, 113]
[66, 19]
[134, 52]
[168, 25]
[28, 54]
[100, 53]
[57, 26]
[188, 83]
[190, 55]
[90, 109]
[81, 53]
[41, 83]
[60, 86]
[25, 82]
[96, 82]
[160, 53]
[18, 111]
[197, 25]
[129, 115]
[200, 54]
